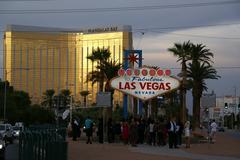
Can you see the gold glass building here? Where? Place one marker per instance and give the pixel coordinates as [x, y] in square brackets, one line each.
[41, 58]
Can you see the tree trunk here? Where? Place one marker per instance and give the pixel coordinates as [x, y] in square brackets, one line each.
[101, 83]
[181, 104]
[111, 90]
[85, 101]
[183, 89]
[196, 108]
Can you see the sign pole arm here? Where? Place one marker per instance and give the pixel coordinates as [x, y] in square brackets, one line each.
[140, 103]
[125, 97]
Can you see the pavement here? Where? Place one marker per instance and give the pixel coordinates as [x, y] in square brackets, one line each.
[11, 152]
[226, 147]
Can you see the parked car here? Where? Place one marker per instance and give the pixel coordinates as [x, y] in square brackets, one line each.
[7, 132]
[221, 129]
[2, 148]
[4, 127]
[16, 131]
[19, 124]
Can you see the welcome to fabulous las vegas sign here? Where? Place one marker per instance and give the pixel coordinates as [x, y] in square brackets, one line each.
[145, 83]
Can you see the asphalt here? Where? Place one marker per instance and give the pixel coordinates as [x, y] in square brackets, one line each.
[227, 147]
[11, 152]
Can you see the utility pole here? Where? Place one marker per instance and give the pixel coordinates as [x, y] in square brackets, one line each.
[5, 96]
[235, 99]
[71, 108]
[235, 105]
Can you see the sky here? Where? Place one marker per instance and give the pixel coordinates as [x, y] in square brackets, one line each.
[157, 25]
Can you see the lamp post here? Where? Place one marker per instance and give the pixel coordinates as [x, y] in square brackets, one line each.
[71, 108]
[5, 98]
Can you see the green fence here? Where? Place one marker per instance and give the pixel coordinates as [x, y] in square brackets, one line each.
[43, 143]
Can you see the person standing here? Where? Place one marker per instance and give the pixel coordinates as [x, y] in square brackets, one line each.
[100, 130]
[179, 132]
[141, 131]
[213, 127]
[172, 136]
[89, 129]
[160, 133]
[187, 133]
[110, 130]
[152, 132]
[133, 133]
[125, 132]
[74, 129]
[78, 128]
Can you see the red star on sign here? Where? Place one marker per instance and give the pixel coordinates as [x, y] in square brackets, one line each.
[133, 58]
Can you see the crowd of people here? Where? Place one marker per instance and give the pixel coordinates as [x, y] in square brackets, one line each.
[158, 132]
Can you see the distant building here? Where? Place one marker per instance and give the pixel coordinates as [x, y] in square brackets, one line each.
[208, 101]
[223, 106]
[41, 58]
[229, 104]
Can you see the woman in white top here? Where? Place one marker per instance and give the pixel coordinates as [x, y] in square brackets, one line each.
[187, 133]
[213, 130]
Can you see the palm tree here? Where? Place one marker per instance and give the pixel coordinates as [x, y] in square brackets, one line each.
[106, 70]
[200, 54]
[65, 97]
[100, 55]
[110, 69]
[84, 94]
[199, 70]
[182, 51]
[62, 100]
[65, 92]
[48, 98]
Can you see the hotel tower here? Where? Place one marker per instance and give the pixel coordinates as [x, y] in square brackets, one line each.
[40, 58]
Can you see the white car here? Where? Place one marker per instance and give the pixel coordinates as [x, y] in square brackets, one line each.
[7, 132]
[16, 131]
[2, 148]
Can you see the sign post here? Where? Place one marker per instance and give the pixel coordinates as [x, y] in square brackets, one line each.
[104, 100]
[131, 57]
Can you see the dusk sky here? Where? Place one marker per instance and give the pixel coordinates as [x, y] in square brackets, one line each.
[157, 25]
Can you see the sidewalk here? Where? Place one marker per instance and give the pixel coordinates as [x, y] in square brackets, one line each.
[82, 151]
[225, 148]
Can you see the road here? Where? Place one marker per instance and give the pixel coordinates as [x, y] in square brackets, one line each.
[11, 152]
[225, 148]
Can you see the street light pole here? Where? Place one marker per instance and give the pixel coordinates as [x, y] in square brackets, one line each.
[5, 96]
[71, 108]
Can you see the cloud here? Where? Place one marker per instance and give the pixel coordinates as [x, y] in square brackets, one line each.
[153, 44]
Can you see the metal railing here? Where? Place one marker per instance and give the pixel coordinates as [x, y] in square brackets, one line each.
[43, 143]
